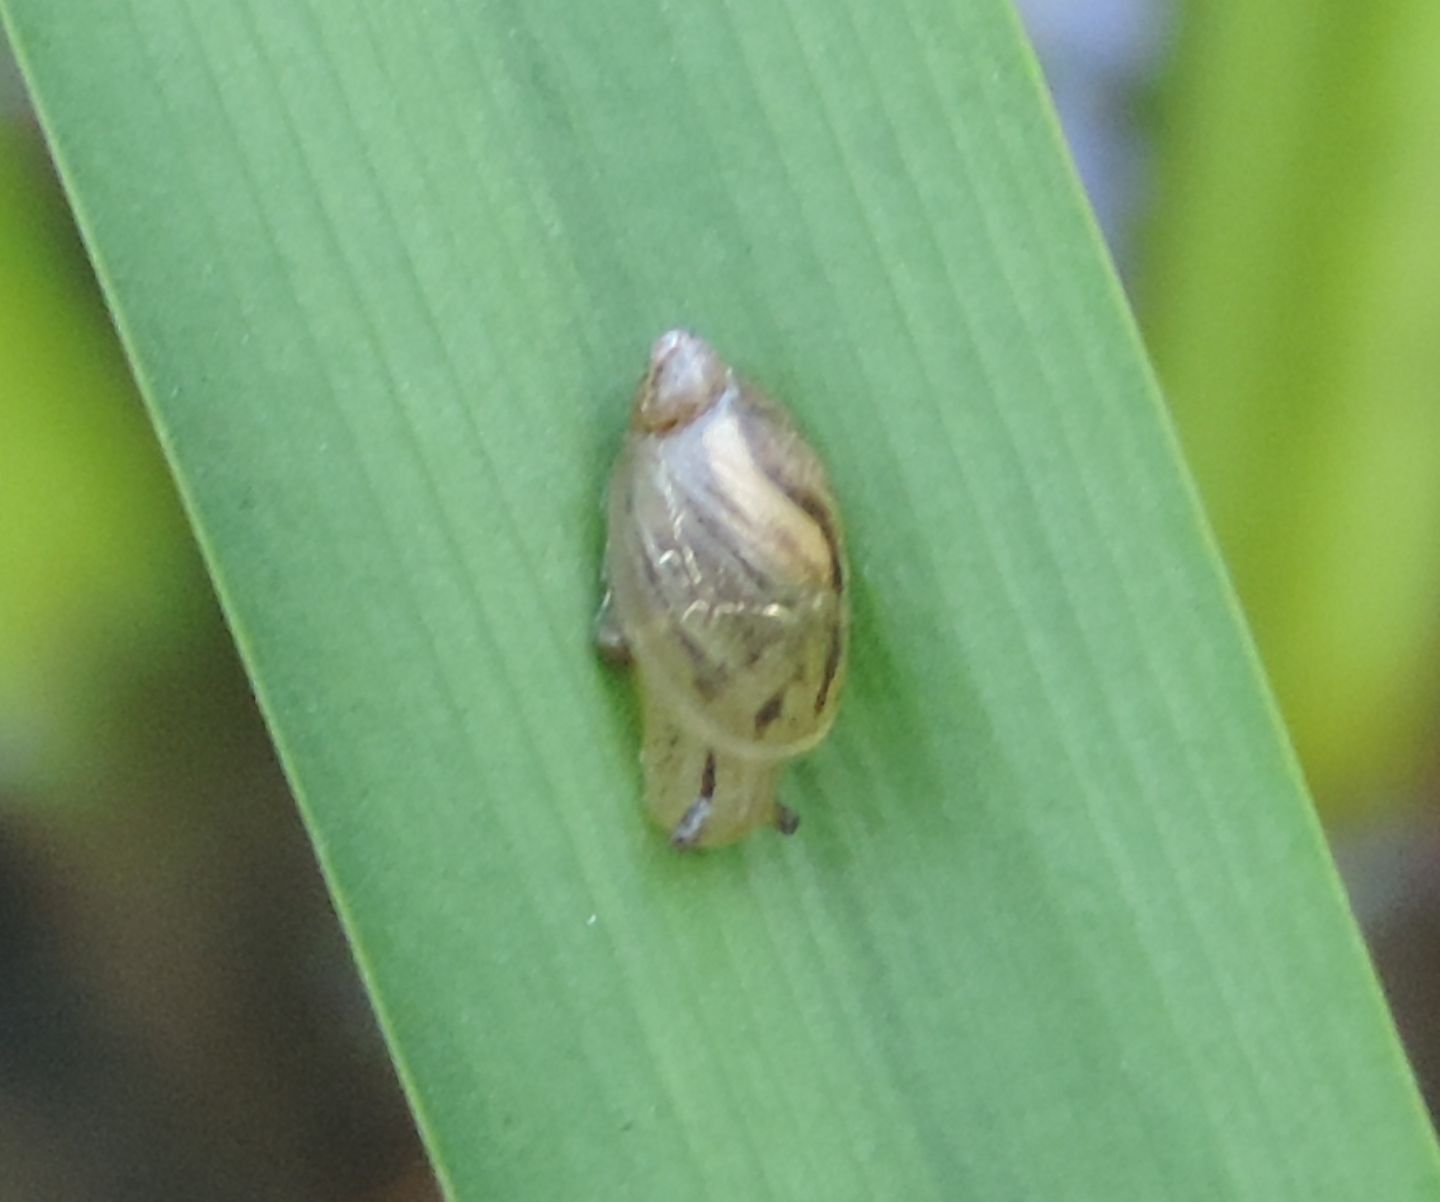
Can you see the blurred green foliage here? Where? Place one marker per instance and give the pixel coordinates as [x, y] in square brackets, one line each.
[98, 576]
[1291, 299]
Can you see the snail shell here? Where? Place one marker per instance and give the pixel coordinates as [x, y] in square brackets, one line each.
[726, 573]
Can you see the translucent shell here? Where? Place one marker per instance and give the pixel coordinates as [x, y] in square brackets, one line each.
[727, 580]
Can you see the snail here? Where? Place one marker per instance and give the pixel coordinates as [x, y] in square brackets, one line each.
[725, 590]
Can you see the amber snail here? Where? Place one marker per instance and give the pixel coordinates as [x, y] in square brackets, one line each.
[726, 588]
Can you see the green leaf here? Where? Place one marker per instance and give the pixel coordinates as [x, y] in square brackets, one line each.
[1059, 923]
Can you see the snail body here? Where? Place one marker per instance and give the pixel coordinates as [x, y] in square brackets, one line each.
[726, 573]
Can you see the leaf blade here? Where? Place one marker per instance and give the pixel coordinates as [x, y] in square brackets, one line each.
[389, 376]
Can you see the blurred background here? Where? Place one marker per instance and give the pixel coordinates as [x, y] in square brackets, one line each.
[179, 1017]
